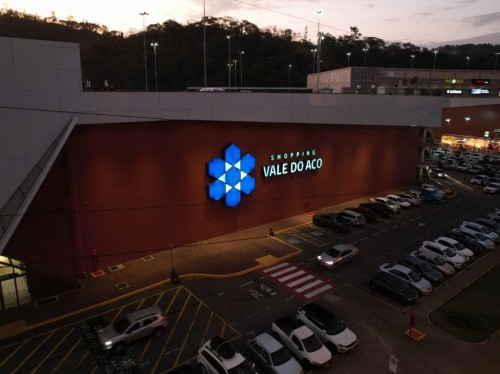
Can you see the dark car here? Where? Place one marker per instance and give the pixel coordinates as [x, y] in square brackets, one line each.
[382, 210]
[468, 242]
[492, 225]
[332, 221]
[425, 269]
[393, 287]
[369, 214]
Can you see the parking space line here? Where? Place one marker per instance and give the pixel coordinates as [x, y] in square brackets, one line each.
[318, 291]
[293, 275]
[53, 349]
[13, 352]
[67, 354]
[184, 342]
[310, 285]
[28, 356]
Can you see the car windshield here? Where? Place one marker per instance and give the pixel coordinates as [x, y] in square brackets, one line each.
[312, 343]
[426, 267]
[459, 246]
[121, 325]
[481, 237]
[485, 230]
[334, 326]
[439, 261]
[333, 252]
[449, 252]
[243, 368]
[415, 277]
[281, 356]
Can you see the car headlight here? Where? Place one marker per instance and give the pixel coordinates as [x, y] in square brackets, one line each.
[108, 343]
[329, 262]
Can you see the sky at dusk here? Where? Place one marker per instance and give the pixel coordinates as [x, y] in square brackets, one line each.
[421, 22]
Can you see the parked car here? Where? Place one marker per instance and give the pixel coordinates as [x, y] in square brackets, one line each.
[491, 187]
[393, 287]
[447, 253]
[382, 210]
[473, 226]
[133, 325]
[416, 194]
[398, 200]
[456, 246]
[439, 173]
[217, 356]
[413, 200]
[370, 215]
[479, 179]
[470, 243]
[394, 207]
[331, 330]
[423, 268]
[356, 219]
[436, 261]
[332, 221]
[270, 355]
[337, 255]
[492, 225]
[408, 275]
[487, 243]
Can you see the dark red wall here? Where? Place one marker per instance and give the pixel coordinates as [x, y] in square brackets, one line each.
[127, 190]
[482, 118]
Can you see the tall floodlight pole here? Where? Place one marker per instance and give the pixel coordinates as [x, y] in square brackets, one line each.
[467, 59]
[496, 59]
[365, 50]
[435, 55]
[229, 62]
[143, 14]
[241, 68]
[348, 57]
[318, 13]
[313, 51]
[289, 75]
[154, 45]
[235, 71]
[204, 46]
[412, 60]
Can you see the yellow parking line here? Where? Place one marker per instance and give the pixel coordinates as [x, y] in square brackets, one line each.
[120, 310]
[184, 342]
[13, 353]
[67, 354]
[53, 349]
[27, 357]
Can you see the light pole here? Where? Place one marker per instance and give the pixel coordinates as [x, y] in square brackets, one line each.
[412, 60]
[435, 55]
[289, 75]
[318, 13]
[143, 14]
[496, 59]
[313, 51]
[467, 62]
[241, 68]
[235, 71]
[204, 46]
[229, 62]
[154, 45]
[348, 57]
[365, 50]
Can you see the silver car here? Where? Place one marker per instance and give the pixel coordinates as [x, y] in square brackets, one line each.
[270, 355]
[134, 325]
[337, 255]
[411, 277]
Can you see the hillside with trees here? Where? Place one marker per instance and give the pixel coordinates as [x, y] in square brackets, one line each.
[268, 53]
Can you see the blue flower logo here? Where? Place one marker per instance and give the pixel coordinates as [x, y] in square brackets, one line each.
[232, 176]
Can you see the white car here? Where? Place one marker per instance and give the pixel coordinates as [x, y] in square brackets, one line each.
[328, 327]
[217, 356]
[412, 199]
[445, 252]
[357, 219]
[458, 247]
[480, 179]
[394, 207]
[436, 261]
[411, 277]
[416, 194]
[272, 356]
[487, 243]
[490, 234]
[399, 200]
[491, 187]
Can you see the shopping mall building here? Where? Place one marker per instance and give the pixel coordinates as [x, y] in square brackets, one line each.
[113, 176]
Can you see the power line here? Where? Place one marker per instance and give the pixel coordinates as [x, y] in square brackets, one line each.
[291, 15]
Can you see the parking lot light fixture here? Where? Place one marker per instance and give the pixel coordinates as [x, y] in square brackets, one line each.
[154, 45]
[496, 59]
[412, 60]
[467, 63]
[435, 56]
[365, 50]
[229, 61]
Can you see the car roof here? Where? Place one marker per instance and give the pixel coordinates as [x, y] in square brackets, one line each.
[143, 313]
[399, 267]
[414, 260]
[317, 310]
[268, 342]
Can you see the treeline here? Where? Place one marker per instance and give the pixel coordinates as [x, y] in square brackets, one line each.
[271, 58]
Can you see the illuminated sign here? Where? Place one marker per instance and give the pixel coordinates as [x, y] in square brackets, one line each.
[453, 81]
[232, 176]
[484, 82]
[292, 162]
[453, 92]
[479, 91]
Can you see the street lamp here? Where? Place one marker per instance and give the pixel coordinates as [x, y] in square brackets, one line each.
[229, 62]
[143, 14]
[412, 60]
[204, 46]
[154, 45]
[318, 13]
[496, 59]
[467, 119]
[289, 75]
[313, 51]
[467, 63]
[235, 70]
[365, 50]
[348, 57]
[448, 120]
[435, 55]
[241, 68]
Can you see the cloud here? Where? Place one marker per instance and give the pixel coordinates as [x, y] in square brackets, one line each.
[483, 19]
